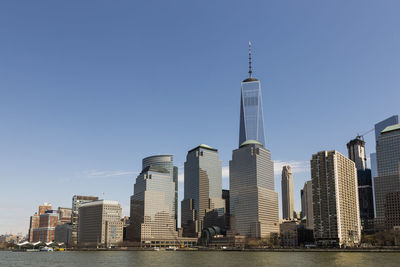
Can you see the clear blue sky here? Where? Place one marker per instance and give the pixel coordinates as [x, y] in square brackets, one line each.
[89, 88]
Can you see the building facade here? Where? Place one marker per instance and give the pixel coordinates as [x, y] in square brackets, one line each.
[202, 205]
[253, 201]
[77, 201]
[335, 199]
[45, 207]
[287, 193]
[356, 150]
[152, 207]
[307, 205]
[251, 109]
[167, 162]
[64, 215]
[47, 225]
[62, 234]
[33, 224]
[388, 161]
[100, 223]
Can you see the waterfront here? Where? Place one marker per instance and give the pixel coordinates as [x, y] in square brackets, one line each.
[197, 258]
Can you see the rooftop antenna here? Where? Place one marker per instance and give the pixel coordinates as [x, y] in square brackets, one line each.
[250, 72]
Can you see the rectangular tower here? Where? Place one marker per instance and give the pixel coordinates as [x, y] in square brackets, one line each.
[100, 223]
[287, 193]
[388, 162]
[202, 205]
[356, 150]
[253, 201]
[77, 201]
[307, 205]
[335, 199]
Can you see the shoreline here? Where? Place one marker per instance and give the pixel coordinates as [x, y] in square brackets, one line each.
[352, 250]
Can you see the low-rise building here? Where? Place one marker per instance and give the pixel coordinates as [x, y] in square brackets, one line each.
[62, 234]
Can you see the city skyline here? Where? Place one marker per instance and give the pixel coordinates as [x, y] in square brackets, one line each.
[75, 113]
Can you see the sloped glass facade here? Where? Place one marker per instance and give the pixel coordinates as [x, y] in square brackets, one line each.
[251, 112]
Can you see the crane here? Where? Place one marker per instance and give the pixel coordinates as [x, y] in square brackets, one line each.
[361, 136]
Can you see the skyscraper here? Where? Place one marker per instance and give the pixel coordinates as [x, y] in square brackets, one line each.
[335, 199]
[152, 206]
[307, 205]
[356, 150]
[379, 127]
[287, 193]
[251, 110]
[388, 180]
[167, 162]
[254, 203]
[202, 205]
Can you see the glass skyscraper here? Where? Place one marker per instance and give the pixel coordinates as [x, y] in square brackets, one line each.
[251, 111]
[202, 205]
[167, 162]
[152, 206]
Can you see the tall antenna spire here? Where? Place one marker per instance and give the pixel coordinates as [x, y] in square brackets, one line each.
[250, 72]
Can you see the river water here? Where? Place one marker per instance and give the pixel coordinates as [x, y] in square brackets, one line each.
[198, 258]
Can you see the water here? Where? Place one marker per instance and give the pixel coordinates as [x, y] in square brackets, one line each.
[198, 258]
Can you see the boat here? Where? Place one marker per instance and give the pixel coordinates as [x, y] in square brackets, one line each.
[170, 248]
[46, 249]
[156, 249]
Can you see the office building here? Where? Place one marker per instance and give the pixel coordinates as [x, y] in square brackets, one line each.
[34, 221]
[64, 214]
[100, 223]
[379, 127]
[47, 225]
[289, 233]
[77, 201]
[388, 180]
[253, 201]
[167, 162]
[62, 234]
[202, 205]
[226, 197]
[335, 199]
[287, 193]
[251, 109]
[152, 207]
[392, 210]
[307, 205]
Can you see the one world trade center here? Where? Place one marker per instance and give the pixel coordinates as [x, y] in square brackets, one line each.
[251, 111]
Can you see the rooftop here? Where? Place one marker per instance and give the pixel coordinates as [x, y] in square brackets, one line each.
[251, 79]
[250, 142]
[100, 202]
[391, 128]
[203, 146]
[153, 168]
